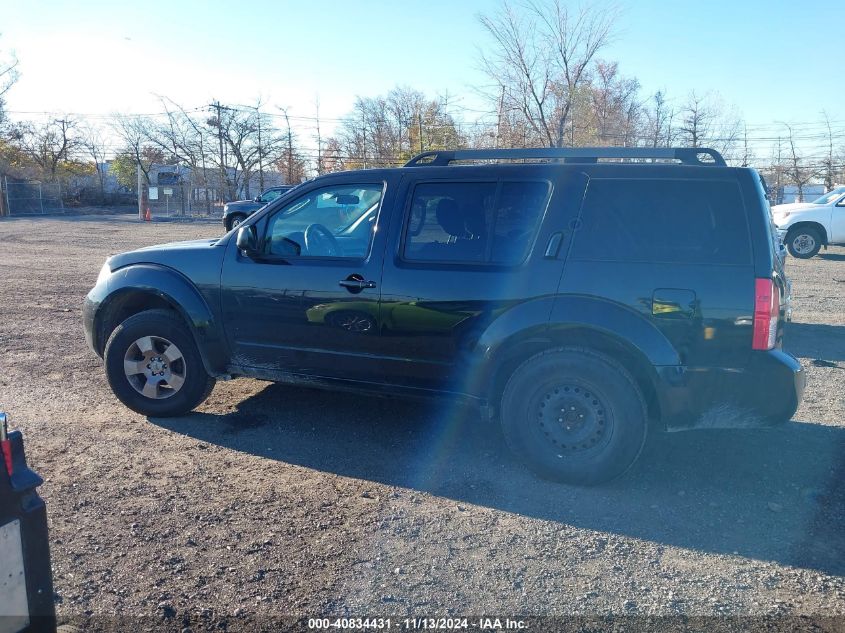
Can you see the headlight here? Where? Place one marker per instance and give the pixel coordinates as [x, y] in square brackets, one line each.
[105, 271]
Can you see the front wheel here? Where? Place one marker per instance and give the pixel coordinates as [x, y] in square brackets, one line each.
[234, 221]
[803, 242]
[154, 367]
[574, 415]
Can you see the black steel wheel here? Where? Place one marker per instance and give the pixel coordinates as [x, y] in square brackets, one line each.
[574, 415]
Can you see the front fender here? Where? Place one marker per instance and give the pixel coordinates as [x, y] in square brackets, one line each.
[172, 287]
[820, 223]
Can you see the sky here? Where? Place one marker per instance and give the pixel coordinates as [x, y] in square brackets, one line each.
[773, 60]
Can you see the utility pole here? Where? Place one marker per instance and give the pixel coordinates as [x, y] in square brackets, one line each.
[745, 145]
[499, 117]
[289, 178]
[778, 196]
[420, 130]
[140, 193]
[319, 140]
[364, 135]
[260, 151]
[4, 201]
[223, 178]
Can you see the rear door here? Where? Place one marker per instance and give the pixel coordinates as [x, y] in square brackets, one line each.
[472, 245]
[674, 247]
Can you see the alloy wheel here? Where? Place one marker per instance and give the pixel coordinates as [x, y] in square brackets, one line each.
[154, 367]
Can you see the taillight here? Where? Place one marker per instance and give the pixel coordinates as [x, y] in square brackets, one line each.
[5, 445]
[766, 309]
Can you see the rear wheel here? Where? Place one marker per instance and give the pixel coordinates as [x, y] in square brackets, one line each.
[803, 242]
[574, 415]
[154, 367]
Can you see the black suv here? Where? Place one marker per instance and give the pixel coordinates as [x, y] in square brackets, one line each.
[581, 296]
[236, 212]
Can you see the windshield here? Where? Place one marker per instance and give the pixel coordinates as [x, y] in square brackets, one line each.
[830, 196]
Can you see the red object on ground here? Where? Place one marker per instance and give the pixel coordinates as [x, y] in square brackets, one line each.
[147, 216]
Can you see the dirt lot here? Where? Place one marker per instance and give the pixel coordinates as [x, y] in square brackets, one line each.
[277, 501]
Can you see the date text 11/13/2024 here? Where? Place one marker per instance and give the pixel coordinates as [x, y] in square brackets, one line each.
[417, 624]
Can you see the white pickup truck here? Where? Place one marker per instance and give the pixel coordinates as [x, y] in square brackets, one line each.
[807, 226]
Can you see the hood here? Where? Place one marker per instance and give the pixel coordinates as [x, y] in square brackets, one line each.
[167, 254]
[795, 206]
[240, 204]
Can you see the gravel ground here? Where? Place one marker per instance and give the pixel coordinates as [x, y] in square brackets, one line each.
[273, 501]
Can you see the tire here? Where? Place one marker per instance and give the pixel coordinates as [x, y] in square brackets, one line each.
[177, 381]
[574, 415]
[803, 242]
[234, 220]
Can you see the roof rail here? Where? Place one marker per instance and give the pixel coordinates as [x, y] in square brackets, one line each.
[685, 155]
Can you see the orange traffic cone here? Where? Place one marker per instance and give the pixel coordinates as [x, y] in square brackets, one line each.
[147, 216]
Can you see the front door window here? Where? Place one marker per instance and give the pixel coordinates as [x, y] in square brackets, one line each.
[333, 221]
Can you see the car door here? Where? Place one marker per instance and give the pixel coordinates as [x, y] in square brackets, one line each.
[306, 301]
[472, 246]
[837, 222]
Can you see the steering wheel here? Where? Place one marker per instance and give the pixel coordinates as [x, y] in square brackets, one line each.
[318, 238]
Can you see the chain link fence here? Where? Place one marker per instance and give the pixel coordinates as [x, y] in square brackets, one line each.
[182, 199]
[32, 198]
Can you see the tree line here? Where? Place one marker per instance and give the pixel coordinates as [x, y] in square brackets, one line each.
[547, 86]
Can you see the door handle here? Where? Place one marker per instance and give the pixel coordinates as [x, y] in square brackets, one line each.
[356, 282]
[553, 247]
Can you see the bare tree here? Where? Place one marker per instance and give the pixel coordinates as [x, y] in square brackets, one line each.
[47, 145]
[797, 173]
[133, 132]
[238, 133]
[541, 58]
[8, 76]
[828, 166]
[706, 122]
[614, 106]
[185, 143]
[93, 142]
[658, 121]
[388, 129]
[697, 118]
[195, 146]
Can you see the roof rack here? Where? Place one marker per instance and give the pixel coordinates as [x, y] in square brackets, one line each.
[685, 155]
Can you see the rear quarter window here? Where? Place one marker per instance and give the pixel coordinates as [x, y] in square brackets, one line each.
[670, 221]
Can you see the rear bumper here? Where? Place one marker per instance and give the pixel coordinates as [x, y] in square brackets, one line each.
[766, 391]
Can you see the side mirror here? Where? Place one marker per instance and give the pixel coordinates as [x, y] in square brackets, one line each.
[257, 199]
[246, 241]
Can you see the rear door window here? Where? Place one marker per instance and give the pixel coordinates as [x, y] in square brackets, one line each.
[671, 221]
[474, 222]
